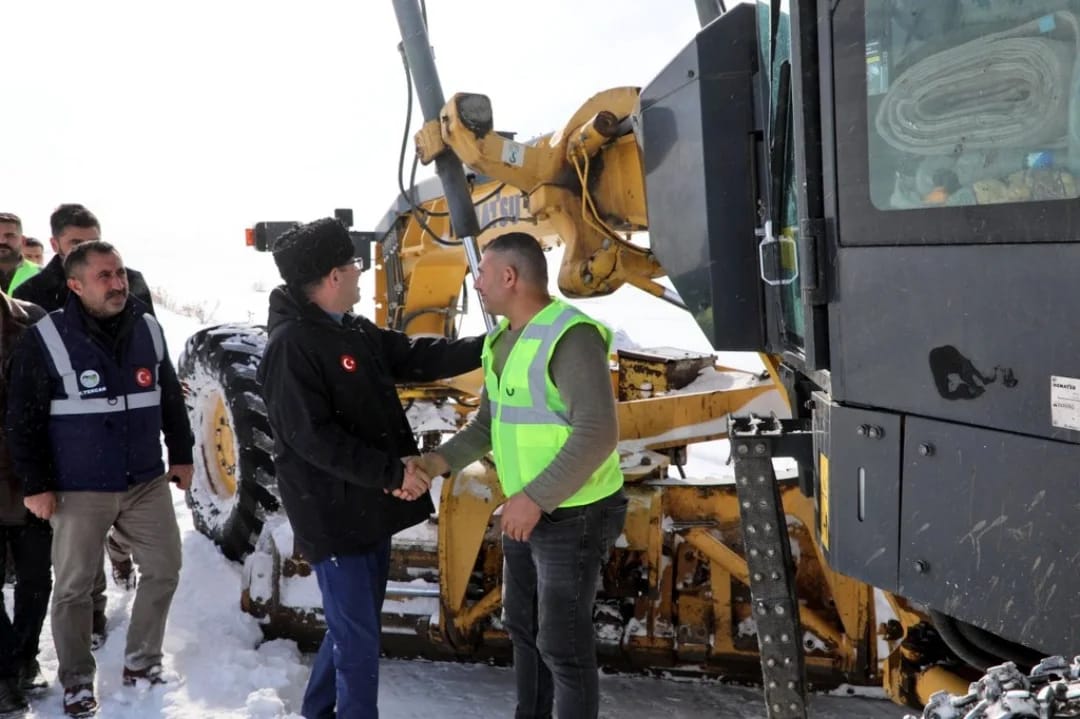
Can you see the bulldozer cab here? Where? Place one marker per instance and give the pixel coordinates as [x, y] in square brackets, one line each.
[883, 194]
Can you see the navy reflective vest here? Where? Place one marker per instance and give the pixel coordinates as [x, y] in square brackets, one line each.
[105, 416]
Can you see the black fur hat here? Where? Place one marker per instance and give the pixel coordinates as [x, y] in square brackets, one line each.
[308, 252]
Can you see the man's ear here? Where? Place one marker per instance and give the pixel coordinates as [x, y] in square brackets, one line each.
[75, 286]
[55, 245]
[510, 275]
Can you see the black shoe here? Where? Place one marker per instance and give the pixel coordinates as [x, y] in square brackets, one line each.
[99, 631]
[124, 575]
[79, 701]
[31, 680]
[12, 701]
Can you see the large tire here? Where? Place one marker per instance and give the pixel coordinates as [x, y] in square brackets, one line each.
[234, 488]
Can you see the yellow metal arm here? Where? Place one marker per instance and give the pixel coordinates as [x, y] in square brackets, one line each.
[585, 182]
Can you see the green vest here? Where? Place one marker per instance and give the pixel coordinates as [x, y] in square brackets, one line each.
[528, 417]
[23, 272]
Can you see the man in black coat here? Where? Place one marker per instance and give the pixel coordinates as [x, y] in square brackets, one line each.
[73, 224]
[340, 437]
[26, 539]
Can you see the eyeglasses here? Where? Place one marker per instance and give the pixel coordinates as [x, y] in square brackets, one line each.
[357, 262]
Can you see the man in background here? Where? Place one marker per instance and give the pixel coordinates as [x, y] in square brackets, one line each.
[33, 251]
[14, 269]
[29, 541]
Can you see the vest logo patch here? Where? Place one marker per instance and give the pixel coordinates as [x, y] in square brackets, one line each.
[348, 363]
[144, 377]
[89, 379]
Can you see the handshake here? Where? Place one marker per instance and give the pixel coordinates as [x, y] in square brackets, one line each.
[419, 473]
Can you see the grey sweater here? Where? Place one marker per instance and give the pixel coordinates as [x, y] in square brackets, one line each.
[579, 368]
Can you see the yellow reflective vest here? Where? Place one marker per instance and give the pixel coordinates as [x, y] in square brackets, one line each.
[529, 424]
[23, 272]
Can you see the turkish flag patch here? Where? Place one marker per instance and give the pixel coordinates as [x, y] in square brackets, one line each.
[144, 377]
[348, 363]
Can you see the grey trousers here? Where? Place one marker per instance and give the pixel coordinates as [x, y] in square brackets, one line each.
[144, 514]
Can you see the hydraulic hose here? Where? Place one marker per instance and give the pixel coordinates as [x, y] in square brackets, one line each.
[960, 646]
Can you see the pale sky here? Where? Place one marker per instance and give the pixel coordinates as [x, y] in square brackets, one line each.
[181, 124]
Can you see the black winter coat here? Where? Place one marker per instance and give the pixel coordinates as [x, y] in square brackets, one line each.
[339, 428]
[48, 289]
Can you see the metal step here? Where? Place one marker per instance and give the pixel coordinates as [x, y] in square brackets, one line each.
[754, 443]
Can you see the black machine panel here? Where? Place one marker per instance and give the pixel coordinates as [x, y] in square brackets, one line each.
[988, 531]
[969, 333]
[858, 457]
[698, 139]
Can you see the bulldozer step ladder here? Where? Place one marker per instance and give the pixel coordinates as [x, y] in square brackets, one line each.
[754, 443]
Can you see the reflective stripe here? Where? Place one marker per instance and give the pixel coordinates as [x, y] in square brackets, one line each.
[532, 415]
[156, 336]
[105, 405]
[59, 354]
[74, 403]
[539, 413]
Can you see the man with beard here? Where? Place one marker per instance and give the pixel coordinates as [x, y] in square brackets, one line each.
[96, 380]
[14, 269]
[340, 434]
[72, 225]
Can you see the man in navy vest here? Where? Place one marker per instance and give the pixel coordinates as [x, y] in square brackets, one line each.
[95, 379]
[72, 224]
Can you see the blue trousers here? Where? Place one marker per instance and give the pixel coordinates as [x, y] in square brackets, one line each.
[344, 682]
[549, 588]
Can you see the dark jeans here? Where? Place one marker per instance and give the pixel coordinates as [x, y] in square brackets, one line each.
[345, 673]
[30, 546]
[549, 586]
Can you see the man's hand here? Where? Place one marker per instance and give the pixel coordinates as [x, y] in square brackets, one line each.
[41, 505]
[414, 485]
[419, 473]
[519, 516]
[180, 475]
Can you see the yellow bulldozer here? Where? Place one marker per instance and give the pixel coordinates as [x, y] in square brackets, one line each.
[868, 197]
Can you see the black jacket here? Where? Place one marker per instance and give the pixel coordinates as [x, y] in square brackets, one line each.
[30, 393]
[15, 317]
[48, 289]
[339, 429]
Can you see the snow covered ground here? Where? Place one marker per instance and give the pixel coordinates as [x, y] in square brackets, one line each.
[228, 672]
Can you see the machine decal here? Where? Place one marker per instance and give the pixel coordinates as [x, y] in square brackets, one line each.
[513, 153]
[1065, 402]
[501, 211]
[956, 377]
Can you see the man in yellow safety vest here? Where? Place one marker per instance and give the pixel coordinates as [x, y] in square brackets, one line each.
[548, 416]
